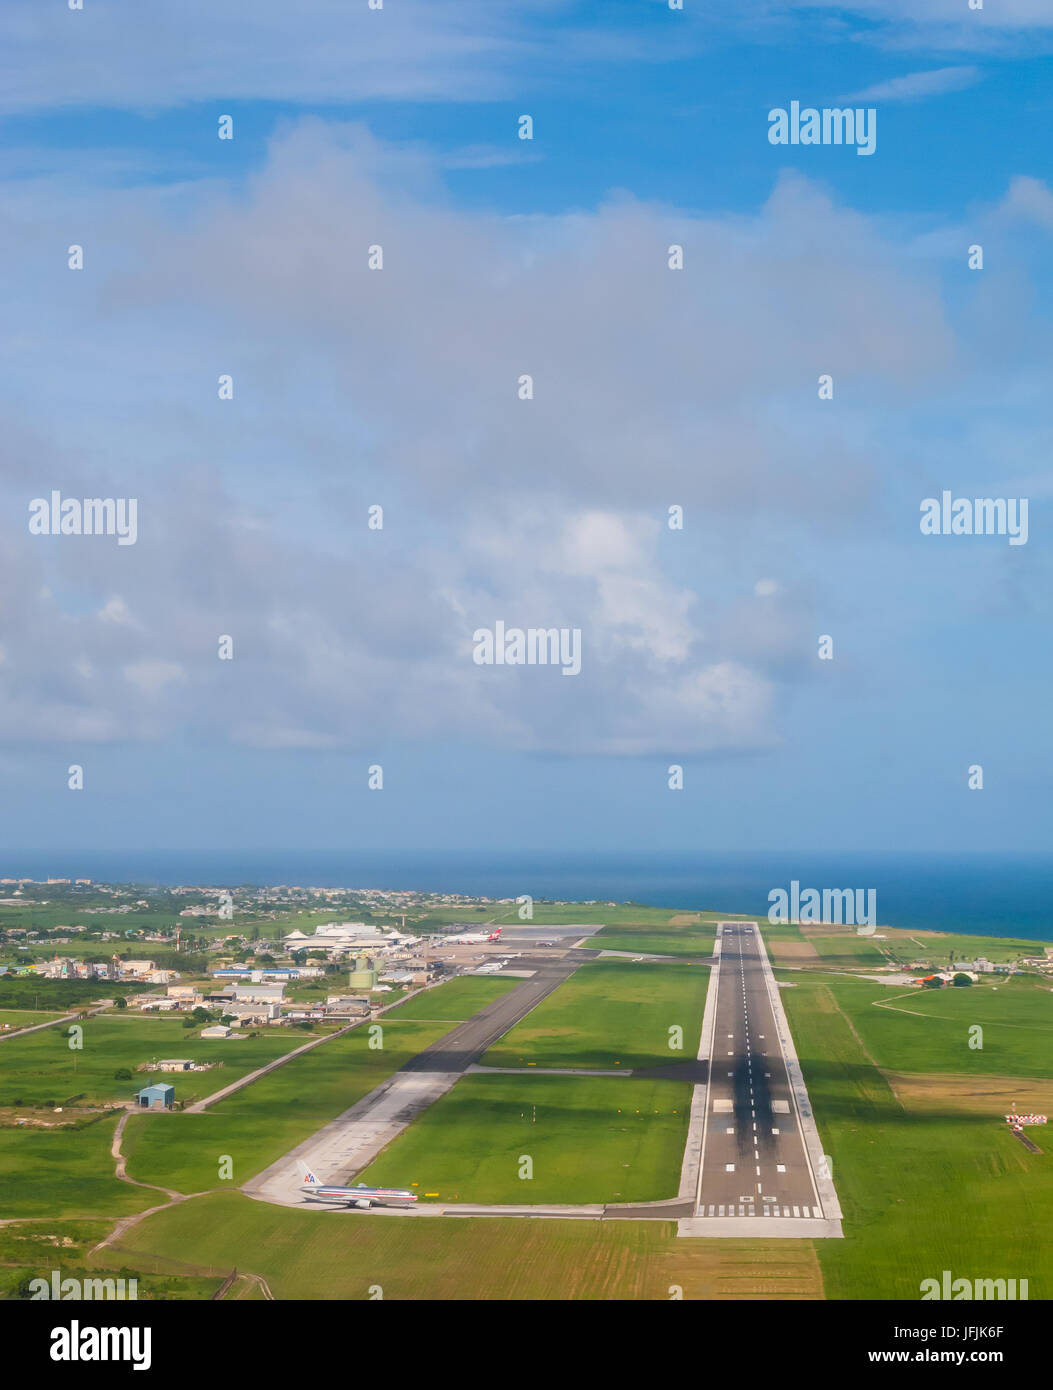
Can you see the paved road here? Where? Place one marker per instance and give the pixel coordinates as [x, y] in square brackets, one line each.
[754, 1158]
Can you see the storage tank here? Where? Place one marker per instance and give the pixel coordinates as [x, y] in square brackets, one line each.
[363, 973]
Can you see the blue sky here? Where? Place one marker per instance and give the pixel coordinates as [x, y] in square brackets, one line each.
[653, 387]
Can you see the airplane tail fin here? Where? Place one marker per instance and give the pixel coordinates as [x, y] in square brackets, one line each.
[307, 1176]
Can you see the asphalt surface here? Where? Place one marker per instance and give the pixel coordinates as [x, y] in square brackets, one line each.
[754, 1159]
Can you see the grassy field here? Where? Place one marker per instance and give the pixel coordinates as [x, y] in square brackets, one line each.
[33, 1249]
[260, 1123]
[61, 996]
[330, 1255]
[455, 1000]
[924, 945]
[912, 1030]
[924, 1187]
[848, 951]
[694, 941]
[41, 1066]
[64, 1172]
[599, 1139]
[25, 1018]
[610, 1013]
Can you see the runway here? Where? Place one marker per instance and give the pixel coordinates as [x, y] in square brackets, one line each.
[760, 1156]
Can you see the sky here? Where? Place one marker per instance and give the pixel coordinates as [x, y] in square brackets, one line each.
[695, 388]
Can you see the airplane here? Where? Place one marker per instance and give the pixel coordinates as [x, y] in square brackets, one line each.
[359, 1196]
[473, 938]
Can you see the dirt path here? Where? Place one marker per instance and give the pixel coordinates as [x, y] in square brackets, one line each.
[121, 1163]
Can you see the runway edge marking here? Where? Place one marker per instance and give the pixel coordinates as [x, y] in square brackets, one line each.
[694, 1150]
[821, 1180]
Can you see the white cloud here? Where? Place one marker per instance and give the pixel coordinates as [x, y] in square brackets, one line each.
[151, 677]
[1030, 200]
[695, 387]
[915, 86]
[115, 610]
[317, 52]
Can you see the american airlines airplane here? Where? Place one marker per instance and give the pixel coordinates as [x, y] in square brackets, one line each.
[473, 938]
[360, 1196]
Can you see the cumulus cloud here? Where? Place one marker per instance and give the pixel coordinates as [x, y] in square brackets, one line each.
[652, 389]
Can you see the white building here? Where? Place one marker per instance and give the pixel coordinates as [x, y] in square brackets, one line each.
[347, 936]
[247, 1014]
[254, 993]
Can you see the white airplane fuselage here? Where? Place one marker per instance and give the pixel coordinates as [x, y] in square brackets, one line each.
[361, 1196]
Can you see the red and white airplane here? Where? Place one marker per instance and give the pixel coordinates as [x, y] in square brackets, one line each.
[360, 1196]
[474, 938]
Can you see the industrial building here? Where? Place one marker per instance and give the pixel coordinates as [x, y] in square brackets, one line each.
[157, 1097]
[258, 994]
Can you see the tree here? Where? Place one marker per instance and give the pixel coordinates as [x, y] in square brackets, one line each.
[961, 979]
[122, 1074]
[934, 982]
[122, 1003]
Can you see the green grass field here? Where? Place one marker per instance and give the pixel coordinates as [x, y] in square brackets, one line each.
[456, 1000]
[327, 1255]
[912, 1030]
[610, 1013]
[849, 951]
[64, 1172]
[938, 945]
[685, 941]
[921, 1191]
[601, 1139]
[260, 1123]
[42, 1066]
[25, 1018]
[59, 996]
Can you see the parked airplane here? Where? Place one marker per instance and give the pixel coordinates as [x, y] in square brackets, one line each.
[360, 1196]
[473, 938]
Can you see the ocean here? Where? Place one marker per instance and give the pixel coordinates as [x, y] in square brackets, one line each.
[992, 895]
